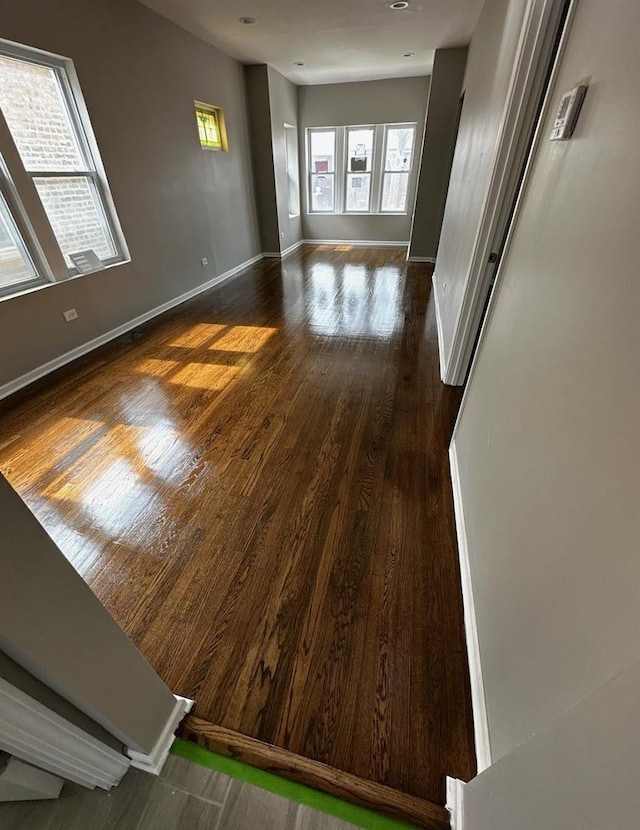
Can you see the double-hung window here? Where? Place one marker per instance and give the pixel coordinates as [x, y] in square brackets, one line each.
[57, 218]
[376, 166]
[359, 164]
[322, 169]
[398, 156]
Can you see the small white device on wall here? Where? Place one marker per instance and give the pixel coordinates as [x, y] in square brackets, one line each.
[568, 113]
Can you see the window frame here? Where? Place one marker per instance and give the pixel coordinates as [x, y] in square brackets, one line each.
[384, 172]
[19, 190]
[371, 173]
[377, 173]
[221, 125]
[337, 163]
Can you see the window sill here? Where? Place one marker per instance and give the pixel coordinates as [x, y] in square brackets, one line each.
[354, 213]
[23, 292]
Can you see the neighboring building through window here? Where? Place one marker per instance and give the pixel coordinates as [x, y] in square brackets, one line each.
[322, 156]
[375, 161]
[54, 198]
[398, 153]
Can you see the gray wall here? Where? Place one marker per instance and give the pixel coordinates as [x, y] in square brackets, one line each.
[547, 439]
[283, 98]
[438, 146]
[53, 626]
[580, 772]
[177, 203]
[257, 85]
[489, 67]
[366, 102]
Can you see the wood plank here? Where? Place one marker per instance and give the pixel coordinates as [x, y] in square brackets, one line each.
[314, 774]
[256, 486]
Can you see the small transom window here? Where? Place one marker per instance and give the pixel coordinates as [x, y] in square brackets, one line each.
[211, 127]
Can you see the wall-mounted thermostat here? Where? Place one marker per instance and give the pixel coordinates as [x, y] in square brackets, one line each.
[568, 113]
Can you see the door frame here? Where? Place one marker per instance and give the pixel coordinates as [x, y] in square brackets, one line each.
[537, 49]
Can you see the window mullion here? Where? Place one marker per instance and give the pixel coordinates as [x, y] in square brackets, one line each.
[36, 225]
[377, 170]
[342, 139]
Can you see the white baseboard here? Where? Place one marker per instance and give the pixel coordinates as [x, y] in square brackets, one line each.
[439, 325]
[283, 254]
[35, 734]
[155, 760]
[430, 259]
[478, 700]
[291, 248]
[455, 802]
[357, 243]
[51, 365]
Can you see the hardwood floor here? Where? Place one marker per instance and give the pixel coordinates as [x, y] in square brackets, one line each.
[257, 488]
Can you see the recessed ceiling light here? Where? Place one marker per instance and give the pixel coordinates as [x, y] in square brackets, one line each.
[298, 63]
[247, 20]
[409, 55]
[399, 4]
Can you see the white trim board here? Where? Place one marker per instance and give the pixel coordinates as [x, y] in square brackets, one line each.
[51, 365]
[357, 243]
[35, 734]
[439, 326]
[286, 252]
[153, 761]
[430, 259]
[478, 700]
[455, 802]
[292, 248]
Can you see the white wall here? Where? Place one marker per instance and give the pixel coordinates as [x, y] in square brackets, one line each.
[488, 72]
[547, 440]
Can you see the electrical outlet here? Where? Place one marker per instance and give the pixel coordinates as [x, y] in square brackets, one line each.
[282, 234]
[204, 261]
[70, 315]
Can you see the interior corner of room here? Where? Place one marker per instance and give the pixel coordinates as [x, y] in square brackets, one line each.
[344, 448]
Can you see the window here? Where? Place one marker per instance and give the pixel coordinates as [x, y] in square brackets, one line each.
[322, 156]
[54, 199]
[212, 130]
[359, 167]
[293, 176]
[376, 164]
[398, 152]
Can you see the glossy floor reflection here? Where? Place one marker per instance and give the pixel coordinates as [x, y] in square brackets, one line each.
[257, 489]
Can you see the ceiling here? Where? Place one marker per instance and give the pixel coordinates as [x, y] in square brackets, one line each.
[337, 40]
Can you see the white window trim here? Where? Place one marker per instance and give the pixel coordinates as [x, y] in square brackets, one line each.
[377, 169]
[311, 173]
[370, 173]
[20, 193]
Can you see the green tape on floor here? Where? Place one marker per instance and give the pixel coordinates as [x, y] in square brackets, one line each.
[285, 788]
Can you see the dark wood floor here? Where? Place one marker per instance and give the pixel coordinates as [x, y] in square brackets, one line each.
[257, 488]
